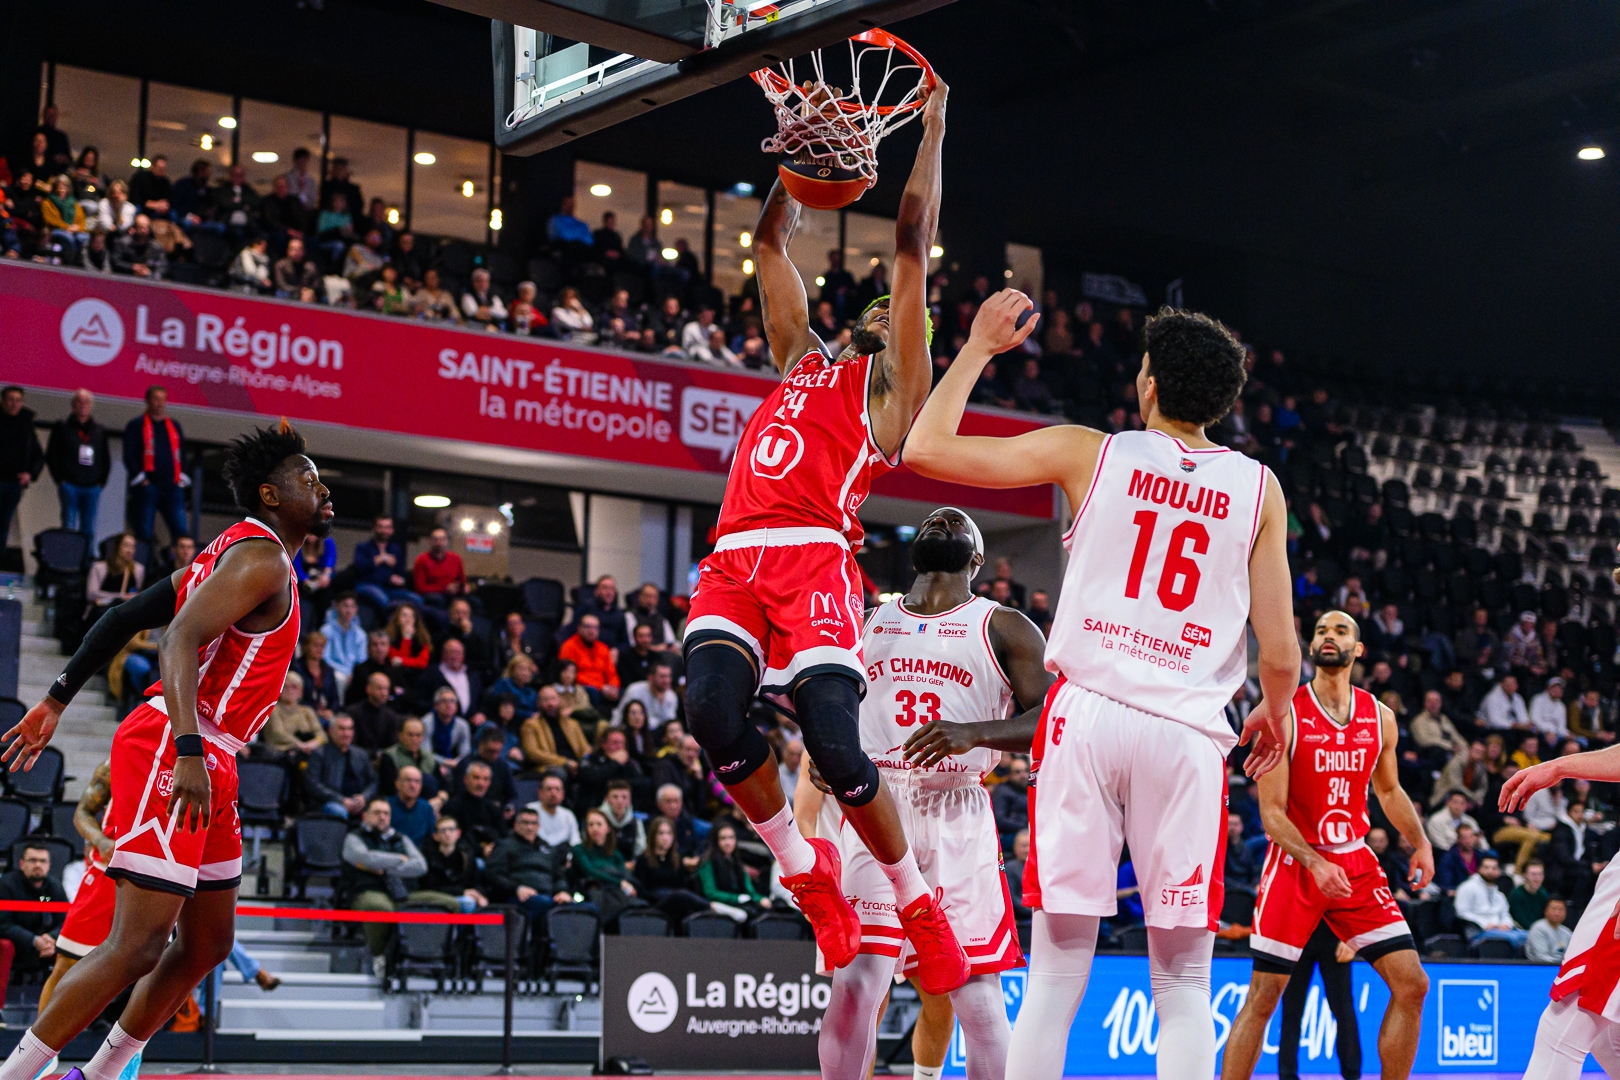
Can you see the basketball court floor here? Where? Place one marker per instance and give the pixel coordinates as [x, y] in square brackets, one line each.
[555, 1071]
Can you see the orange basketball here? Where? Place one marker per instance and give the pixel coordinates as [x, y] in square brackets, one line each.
[822, 187]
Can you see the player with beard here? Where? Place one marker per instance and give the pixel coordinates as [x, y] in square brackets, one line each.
[938, 652]
[232, 626]
[778, 605]
[1340, 740]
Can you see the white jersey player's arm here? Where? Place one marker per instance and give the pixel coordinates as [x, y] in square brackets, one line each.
[1330, 877]
[1065, 455]
[1598, 766]
[1386, 784]
[1271, 614]
[806, 802]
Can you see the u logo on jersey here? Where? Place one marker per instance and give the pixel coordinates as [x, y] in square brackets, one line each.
[778, 450]
[1335, 827]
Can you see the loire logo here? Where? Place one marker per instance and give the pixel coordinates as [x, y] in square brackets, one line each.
[652, 1002]
[92, 331]
[1468, 1022]
[776, 453]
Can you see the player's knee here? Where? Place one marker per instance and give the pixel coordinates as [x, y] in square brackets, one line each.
[720, 685]
[829, 708]
[1410, 986]
[1265, 992]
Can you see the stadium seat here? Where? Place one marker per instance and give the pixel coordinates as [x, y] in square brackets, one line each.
[60, 822]
[644, 922]
[780, 926]
[14, 821]
[571, 935]
[709, 924]
[59, 555]
[422, 948]
[261, 789]
[1446, 946]
[1495, 949]
[316, 843]
[40, 786]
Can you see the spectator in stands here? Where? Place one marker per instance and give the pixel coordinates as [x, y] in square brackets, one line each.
[644, 250]
[482, 816]
[282, 215]
[1528, 752]
[1396, 866]
[235, 203]
[338, 185]
[635, 662]
[334, 228]
[115, 212]
[345, 637]
[321, 694]
[79, 461]
[1524, 647]
[409, 260]
[575, 701]
[519, 637]
[116, 578]
[528, 871]
[363, 265]
[1549, 938]
[410, 645]
[656, 694]
[434, 302]
[1013, 874]
[630, 838]
[715, 350]
[1503, 709]
[518, 681]
[689, 831]
[1009, 800]
[571, 320]
[95, 256]
[411, 814]
[610, 763]
[250, 270]
[154, 461]
[376, 724]
[686, 770]
[724, 879]
[21, 459]
[1030, 391]
[1462, 859]
[339, 778]
[1435, 736]
[379, 568]
[381, 867]
[791, 758]
[149, 189]
[1466, 772]
[451, 671]
[389, 296]
[489, 747]
[1549, 714]
[65, 218]
[563, 228]
[645, 610]
[473, 634]
[1482, 909]
[558, 825]
[526, 316]
[613, 621]
[1589, 720]
[639, 739]
[663, 880]
[1443, 824]
[686, 267]
[1529, 897]
[411, 752]
[594, 661]
[28, 939]
[377, 221]
[667, 323]
[453, 869]
[695, 334]
[448, 733]
[1572, 862]
[438, 573]
[480, 304]
[550, 739]
[1242, 866]
[301, 184]
[294, 272]
[136, 252]
[190, 196]
[293, 727]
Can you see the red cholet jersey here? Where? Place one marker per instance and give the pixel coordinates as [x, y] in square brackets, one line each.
[808, 455]
[239, 675]
[1330, 767]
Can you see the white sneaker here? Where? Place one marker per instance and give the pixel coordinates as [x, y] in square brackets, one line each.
[379, 966]
[132, 1071]
[51, 1068]
[735, 914]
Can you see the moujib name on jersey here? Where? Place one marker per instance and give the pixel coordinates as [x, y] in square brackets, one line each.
[896, 666]
[1178, 495]
[1139, 645]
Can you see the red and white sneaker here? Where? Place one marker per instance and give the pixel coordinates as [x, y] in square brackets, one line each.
[820, 895]
[942, 965]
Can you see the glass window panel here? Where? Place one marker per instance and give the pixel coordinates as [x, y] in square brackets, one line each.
[270, 134]
[183, 124]
[868, 241]
[1024, 269]
[734, 216]
[625, 198]
[376, 157]
[103, 111]
[450, 197]
[688, 214]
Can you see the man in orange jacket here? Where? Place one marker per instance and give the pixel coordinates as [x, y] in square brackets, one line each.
[597, 664]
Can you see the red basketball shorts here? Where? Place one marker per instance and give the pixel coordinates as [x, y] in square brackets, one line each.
[791, 597]
[1289, 906]
[153, 850]
[89, 920]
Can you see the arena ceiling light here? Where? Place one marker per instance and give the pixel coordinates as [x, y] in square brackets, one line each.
[748, 267]
[742, 188]
[601, 191]
[227, 122]
[266, 157]
[468, 188]
[667, 216]
[495, 220]
[746, 239]
[393, 215]
[140, 163]
[206, 142]
[424, 158]
[432, 502]
[936, 252]
[671, 254]
[1591, 153]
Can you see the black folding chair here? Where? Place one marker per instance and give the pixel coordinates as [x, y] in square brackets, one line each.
[571, 945]
[644, 922]
[42, 785]
[526, 788]
[488, 953]
[59, 557]
[709, 924]
[61, 823]
[316, 846]
[14, 819]
[423, 948]
[261, 790]
[780, 926]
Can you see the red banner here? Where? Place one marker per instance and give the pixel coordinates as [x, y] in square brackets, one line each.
[117, 336]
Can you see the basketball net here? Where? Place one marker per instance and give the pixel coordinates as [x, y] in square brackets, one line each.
[830, 125]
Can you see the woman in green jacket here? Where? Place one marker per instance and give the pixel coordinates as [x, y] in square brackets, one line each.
[599, 872]
[722, 877]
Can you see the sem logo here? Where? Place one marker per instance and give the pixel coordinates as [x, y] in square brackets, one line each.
[1194, 634]
[92, 332]
[1468, 1022]
[776, 453]
[652, 1002]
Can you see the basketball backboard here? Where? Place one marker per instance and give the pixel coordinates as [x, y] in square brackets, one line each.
[565, 68]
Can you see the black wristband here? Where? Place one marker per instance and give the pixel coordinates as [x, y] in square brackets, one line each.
[188, 746]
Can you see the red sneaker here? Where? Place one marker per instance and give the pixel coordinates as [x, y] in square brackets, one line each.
[820, 894]
[942, 965]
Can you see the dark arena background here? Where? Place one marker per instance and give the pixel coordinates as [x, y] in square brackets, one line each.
[495, 260]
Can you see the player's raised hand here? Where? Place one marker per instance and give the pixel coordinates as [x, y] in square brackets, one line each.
[1264, 727]
[1525, 783]
[996, 328]
[1331, 879]
[816, 780]
[30, 735]
[189, 801]
[934, 109]
[935, 741]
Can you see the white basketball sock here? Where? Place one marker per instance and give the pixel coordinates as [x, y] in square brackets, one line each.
[27, 1059]
[906, 878]
[117, 1052]
[1566, 1034]
[925, 1072]
[791, 849]
[1060, 955]
[1178, 960]
[982, 1012]
[848, 1040]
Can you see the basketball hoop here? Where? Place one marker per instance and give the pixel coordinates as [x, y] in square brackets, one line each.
[828, 135]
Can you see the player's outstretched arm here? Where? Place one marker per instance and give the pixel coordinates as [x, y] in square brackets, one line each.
[247, 578]
[1386, 784]
[1271, 613]
[149, 609]
[1020, 650]
[782, 303]
[1598, 766]
[1065, 454]
[1330, 877]
[905, 370]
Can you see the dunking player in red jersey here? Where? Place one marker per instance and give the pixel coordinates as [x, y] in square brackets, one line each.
[1176, 544]
[232, 621]
[1341, 739]
[778, 604]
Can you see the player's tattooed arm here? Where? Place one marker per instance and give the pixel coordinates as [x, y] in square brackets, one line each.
[87, 815]
[782, 301]
[1386, 784]
[1330, 876]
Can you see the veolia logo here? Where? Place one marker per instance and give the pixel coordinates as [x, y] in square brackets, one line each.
[92, 331]
[652, 1002]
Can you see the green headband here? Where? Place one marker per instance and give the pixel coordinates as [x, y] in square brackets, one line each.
[884, 299]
